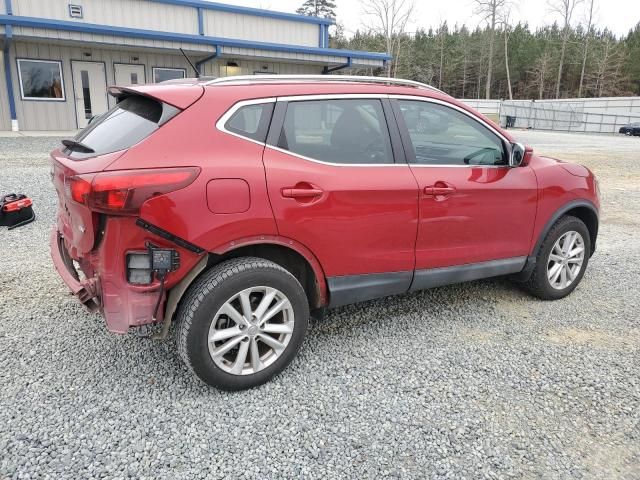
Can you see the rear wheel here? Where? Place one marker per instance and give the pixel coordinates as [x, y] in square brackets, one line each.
[242, 323]
[561, 261]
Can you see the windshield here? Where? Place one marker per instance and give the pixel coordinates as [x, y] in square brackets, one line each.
[132, 120]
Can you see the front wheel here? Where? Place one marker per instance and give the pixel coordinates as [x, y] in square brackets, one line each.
[241, 323]
[561, 260]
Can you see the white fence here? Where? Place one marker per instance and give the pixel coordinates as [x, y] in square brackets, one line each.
[591, 115]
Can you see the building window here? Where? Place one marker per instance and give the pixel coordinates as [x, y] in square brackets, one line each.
[164, 74]
[75, 11]
[41, 80]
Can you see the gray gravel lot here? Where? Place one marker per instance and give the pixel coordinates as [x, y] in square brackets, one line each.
[470, 381]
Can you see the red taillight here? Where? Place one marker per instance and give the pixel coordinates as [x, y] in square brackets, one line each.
[124, 192]
[77, 188]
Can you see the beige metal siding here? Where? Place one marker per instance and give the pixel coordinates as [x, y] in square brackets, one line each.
[260, 29]
[123, 13]
[58, 35]
[51, 115]
[283, 56]
[5, 116]
[246, 67]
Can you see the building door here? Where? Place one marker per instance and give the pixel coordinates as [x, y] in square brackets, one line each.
[90, 88]
[127, 74]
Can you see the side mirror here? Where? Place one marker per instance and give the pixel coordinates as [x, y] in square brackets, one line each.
[516, 157]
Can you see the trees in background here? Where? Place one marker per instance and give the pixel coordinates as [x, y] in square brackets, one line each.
[389, 18]
[318, 8]
[586, 46]
[564, 8]
[491, 12]
[456, 59]
[549, 62]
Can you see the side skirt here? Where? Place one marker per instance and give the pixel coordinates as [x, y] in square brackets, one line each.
[360, 288]
[436, 277]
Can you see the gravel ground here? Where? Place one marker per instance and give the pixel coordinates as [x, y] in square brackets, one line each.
[470, 381]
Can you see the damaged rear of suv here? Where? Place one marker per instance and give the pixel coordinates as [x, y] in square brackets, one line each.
[240, 206]
[98, 245]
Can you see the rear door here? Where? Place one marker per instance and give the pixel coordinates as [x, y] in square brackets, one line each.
[338, 184]
[474, 208]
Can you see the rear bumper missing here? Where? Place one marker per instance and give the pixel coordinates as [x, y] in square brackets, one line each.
[86, 291]
[107, 291]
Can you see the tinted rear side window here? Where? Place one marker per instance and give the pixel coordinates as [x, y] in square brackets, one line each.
[251, 121]
[132, 120]
[337, 131]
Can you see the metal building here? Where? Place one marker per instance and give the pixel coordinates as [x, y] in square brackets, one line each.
[59, 56]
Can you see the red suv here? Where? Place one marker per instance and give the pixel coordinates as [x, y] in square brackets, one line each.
[241, 206]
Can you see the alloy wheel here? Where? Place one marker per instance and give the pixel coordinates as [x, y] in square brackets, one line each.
[251, 330]
[565, 260]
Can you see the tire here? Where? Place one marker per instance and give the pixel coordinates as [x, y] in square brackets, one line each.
[539, 284]
[208, 312]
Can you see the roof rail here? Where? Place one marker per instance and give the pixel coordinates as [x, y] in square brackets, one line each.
[251, 79]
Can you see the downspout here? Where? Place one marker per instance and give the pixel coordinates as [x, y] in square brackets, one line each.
[8, 30]
[327, 70]
[206, 59]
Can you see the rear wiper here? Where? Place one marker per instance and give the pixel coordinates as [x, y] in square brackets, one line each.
[74, 145]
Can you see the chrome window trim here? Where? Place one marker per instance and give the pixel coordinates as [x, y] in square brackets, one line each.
[222, 121]
[309, 159]
[220, 125]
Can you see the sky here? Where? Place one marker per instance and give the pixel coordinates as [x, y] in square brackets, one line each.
[618, 15]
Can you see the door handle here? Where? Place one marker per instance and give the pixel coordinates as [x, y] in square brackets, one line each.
[293, 192]
[439, 189]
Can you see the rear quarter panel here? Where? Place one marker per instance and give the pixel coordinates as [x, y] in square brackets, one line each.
[191, 139]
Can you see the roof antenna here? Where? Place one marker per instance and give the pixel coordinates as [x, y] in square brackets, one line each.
[190, 63]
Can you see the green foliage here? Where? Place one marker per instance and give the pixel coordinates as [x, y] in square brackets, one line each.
[455, 59]
[318, 8]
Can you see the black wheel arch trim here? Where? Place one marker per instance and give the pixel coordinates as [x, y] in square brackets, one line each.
[531, 259]
[562, 211]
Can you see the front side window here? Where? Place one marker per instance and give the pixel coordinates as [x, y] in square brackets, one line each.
[40, 80]
[350, 131]
[251, 121]
[441, 135]
[164, 74]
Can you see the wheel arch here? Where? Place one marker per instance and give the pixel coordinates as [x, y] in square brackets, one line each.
[582, 209]
[289, 254]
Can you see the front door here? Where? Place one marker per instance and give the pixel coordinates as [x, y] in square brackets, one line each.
[335, 187]
[474, 208]
[129, 74]
[90, 87]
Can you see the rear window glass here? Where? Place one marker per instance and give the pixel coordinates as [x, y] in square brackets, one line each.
[132, 120]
